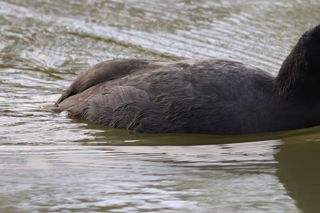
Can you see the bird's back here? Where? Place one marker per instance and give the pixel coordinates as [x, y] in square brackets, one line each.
[203, 96]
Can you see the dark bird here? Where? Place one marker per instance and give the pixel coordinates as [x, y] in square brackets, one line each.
[200, 96]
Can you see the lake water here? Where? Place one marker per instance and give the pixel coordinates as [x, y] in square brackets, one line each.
[51, 163]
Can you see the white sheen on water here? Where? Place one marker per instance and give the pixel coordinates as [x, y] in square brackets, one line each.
[51, 163]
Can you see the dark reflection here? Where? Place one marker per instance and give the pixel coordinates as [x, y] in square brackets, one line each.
[298, 170]
[122, 137]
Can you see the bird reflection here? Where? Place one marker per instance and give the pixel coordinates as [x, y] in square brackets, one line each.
[299, 172]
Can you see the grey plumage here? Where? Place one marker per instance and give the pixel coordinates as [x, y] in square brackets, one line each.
[199, 96]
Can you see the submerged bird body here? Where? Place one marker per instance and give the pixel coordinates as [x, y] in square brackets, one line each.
[200, 96]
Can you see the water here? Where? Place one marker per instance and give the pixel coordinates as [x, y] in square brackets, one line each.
[50, 163]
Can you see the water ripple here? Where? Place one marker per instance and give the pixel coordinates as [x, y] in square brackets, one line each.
[51, 163]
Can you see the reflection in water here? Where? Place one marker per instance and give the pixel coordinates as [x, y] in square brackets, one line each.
[228, 177]
[123, 137]
[50, 163]
[298, 170]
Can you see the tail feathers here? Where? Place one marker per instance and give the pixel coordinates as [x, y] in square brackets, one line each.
[118, 107]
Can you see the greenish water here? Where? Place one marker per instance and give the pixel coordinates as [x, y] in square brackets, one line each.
[50, 163]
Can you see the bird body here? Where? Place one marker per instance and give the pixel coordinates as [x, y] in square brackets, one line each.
[199, 96]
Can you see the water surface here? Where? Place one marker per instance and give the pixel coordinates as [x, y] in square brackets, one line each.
[51, 163]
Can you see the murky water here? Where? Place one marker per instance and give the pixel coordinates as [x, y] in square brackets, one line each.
[50, 163]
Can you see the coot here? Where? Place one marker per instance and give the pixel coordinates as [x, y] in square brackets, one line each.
[200, 96]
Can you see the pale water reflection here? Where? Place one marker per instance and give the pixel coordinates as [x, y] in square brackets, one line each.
[145, 178]
[50, 163]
